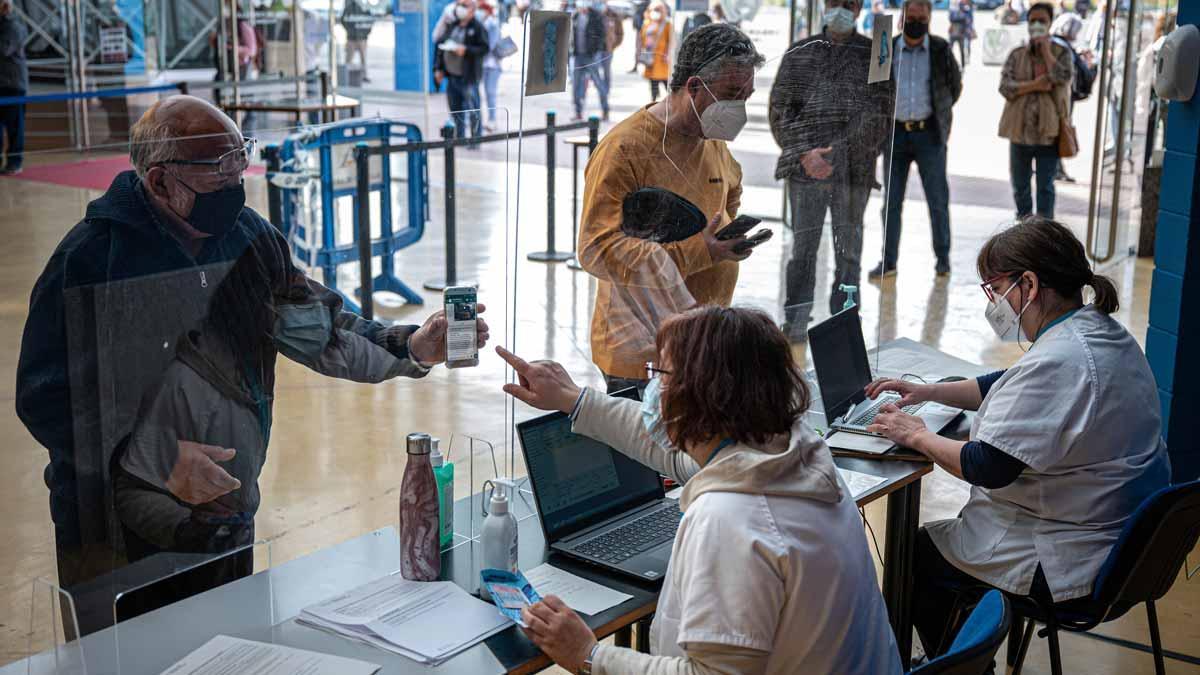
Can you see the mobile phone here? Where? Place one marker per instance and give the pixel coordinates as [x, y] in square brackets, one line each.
[753, 240]
[740, 226]
[461, 346]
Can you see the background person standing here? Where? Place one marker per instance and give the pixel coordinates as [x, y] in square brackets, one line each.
[962, 28]
[1036, 85]
[928, 84]
[14, 81]
[358, 22]
[491, 64]
[654, 46]
[460, 64]
[831, 126]
[590, 45]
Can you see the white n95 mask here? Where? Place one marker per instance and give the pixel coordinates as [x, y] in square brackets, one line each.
[722, 120]
[1005, 322]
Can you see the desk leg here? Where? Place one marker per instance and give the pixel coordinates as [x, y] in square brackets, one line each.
[623, 637]
[903, 519]
[643, 634]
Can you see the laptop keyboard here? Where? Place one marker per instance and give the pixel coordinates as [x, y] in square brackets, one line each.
[632, 538]
[868, 417]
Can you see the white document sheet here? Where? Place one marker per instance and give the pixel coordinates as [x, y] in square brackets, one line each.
[223, 654]
[425, 621]
[859, 483]
[580, 594]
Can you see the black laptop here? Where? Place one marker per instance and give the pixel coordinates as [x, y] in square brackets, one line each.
[596, 504]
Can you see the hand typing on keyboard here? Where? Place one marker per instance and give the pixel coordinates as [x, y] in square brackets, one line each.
[897, 425]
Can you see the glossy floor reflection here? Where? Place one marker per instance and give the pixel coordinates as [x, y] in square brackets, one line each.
[337, 450]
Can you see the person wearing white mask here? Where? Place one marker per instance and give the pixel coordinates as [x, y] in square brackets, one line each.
[1067, 442]
[770, 571]
[831, 126]
[677, 144]
[1036, 85]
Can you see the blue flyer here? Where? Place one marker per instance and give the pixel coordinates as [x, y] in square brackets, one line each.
[511, 592]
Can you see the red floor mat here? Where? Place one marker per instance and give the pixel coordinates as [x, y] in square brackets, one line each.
[90, 174]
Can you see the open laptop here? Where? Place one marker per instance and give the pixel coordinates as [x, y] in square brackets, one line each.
[596, 504]
[843, 371]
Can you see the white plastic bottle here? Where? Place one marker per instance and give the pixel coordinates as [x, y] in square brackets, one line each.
[499, 534]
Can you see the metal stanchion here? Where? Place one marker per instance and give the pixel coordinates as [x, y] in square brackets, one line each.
[593, 138]
[274, 199]
[550, 254]
[362, 219]
[451, 278]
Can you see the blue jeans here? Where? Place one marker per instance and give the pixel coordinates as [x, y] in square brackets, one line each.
[463, 97]
[929, 152]
[1021, 162]
[12, 125]
[589, 67]
[491, 80]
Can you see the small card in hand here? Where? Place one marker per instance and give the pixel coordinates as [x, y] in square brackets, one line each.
[511, 592]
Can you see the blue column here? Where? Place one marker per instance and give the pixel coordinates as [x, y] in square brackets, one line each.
[410, 30]
[1173, 337]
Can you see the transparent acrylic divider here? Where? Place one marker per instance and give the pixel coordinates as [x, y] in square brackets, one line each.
[53, 627]
[170, 604]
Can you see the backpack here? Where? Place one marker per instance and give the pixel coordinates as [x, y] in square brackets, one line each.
[1085, 77]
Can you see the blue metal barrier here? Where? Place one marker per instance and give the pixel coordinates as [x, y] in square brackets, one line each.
[98, 93]
[328, 254]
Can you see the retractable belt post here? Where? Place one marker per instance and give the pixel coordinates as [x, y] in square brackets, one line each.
[550, 254]
[451, 278]
[362, 218]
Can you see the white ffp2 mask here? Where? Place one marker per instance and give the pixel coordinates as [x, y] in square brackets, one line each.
[722, 120]
[1005, 322]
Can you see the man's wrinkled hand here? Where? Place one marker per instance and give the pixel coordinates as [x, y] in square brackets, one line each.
[428, 344]
[196, 478]
[815, 163]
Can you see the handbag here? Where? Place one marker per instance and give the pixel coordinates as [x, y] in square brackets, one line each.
[505, 47]
[660, 215]
[1068, 140]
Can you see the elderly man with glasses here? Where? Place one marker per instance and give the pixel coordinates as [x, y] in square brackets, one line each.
[126, 303]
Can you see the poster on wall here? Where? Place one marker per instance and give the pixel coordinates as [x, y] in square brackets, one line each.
[882, 40]
[549, 40]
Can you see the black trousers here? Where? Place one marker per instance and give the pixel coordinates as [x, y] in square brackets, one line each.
[944, 595]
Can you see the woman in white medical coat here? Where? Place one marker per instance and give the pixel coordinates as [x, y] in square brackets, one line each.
[1066, 444]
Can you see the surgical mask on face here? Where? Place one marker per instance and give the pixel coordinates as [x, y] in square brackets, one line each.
[1037, 29]
[722, 120]
[461, 12]
[839, 20]
[303, 331]
[916, 29]
[656, 15]
[216, 212]
[652, 416]
[1006, 322]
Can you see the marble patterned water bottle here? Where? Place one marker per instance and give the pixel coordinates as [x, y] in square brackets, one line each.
[420, 559]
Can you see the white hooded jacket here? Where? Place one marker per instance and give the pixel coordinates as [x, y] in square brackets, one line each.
[770, 571]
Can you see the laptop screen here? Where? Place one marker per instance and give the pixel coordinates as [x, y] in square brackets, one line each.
[840, 359]
[578, 481]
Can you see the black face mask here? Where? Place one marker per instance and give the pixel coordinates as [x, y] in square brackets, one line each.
[216, 212]
[916, 29]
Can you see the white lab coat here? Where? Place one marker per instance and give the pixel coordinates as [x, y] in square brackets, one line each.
[1081, 410]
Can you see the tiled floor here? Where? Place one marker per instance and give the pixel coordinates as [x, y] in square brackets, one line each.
[337, 447]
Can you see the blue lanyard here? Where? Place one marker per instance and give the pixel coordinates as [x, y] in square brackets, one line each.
[1055, 322]
[724, 444]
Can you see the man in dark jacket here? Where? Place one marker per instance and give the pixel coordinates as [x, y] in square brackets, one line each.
[105, 316]
[459, 61]
[14, 81]
[590, 52]
[928, 84]
[831, 126]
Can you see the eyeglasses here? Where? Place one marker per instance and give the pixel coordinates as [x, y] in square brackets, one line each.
[987, 287]
[232, 163]
[652, 372]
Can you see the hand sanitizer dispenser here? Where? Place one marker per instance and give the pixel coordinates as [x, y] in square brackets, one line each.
[1178, 64]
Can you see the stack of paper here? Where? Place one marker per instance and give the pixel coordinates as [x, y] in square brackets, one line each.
[223, 655]
[428, 622]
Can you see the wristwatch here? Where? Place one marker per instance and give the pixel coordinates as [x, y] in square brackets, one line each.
[586, 668]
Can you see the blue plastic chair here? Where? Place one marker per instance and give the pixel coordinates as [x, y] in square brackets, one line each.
[975, 646]
[1140, 569]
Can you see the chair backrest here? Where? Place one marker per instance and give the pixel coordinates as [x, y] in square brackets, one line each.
[1158, 536]
[976, 643]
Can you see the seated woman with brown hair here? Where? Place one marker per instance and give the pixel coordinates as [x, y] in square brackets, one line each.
[770, 571]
